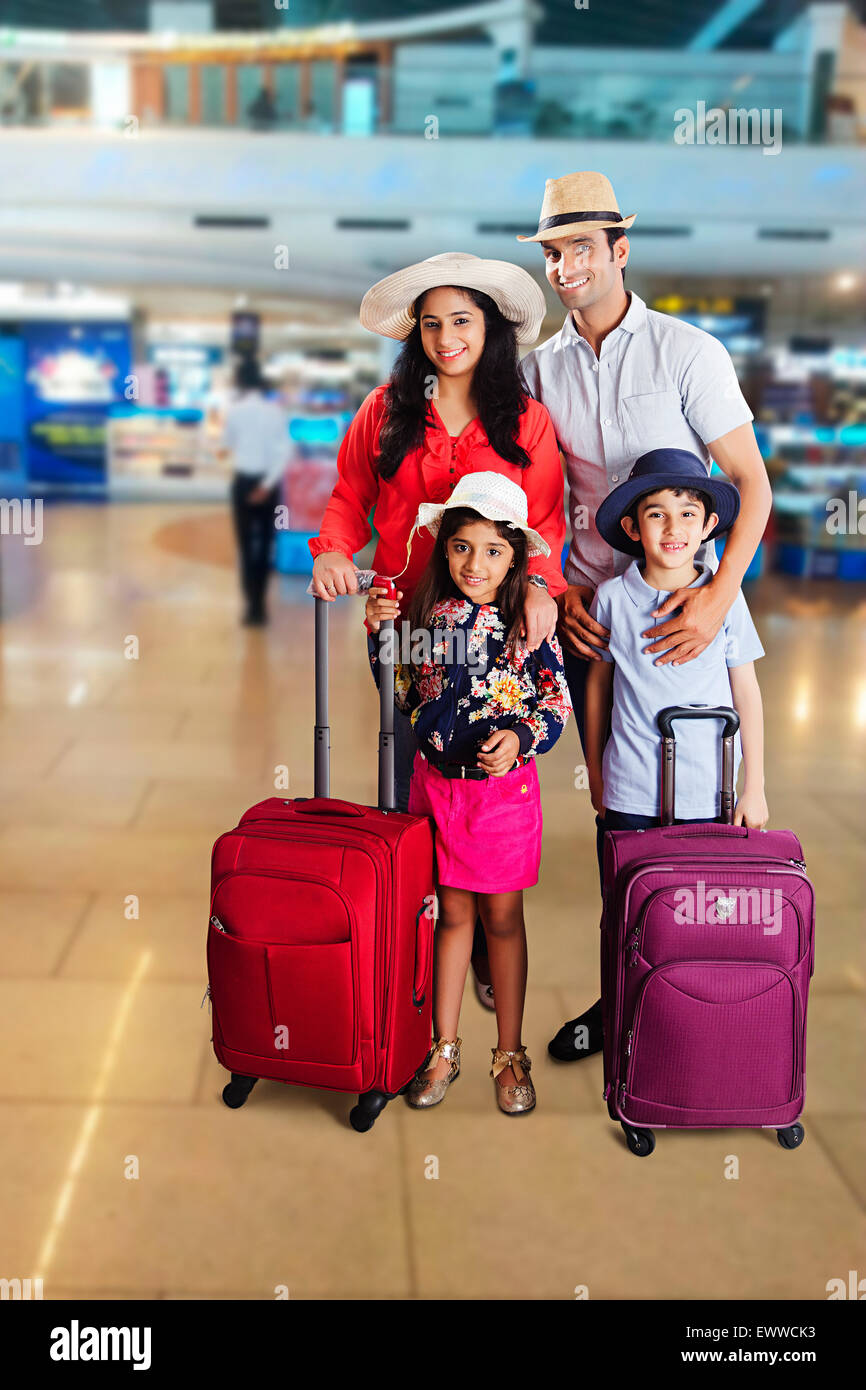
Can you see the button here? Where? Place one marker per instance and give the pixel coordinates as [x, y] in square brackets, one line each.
[607, 422]
[595, 366]
[614, 477]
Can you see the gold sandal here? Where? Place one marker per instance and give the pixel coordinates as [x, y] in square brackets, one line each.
[424, 1092]
[519, 1099]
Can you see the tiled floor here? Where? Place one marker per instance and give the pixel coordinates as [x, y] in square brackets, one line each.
[117, 776]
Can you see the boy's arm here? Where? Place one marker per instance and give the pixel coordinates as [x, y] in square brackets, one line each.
[751, 809]
[596, 713]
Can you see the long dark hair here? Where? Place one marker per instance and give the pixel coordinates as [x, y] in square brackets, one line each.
[436, 582]
[498, 386]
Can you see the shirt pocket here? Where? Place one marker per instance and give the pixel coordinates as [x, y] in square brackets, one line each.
[652, 420]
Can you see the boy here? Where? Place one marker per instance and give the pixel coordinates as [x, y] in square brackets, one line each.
[661, 515]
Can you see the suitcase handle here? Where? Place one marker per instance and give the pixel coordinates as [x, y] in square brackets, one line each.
[664, 719]
[322, 733]
[321, 805]
[686, 832]
[420, 971]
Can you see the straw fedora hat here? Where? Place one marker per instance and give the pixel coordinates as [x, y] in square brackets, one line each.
[387, 307]
[578, 203]
[492, 495]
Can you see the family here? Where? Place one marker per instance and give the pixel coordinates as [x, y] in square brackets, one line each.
[458, 459]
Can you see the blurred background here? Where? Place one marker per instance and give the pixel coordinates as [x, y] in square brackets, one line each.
[188, 178]
[184, 184]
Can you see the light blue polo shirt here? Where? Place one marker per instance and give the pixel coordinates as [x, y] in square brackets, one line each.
[632, 755]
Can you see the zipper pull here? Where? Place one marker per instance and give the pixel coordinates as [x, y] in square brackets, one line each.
[633, 960]
[801, 863]
[606, 1092]
[628, 1043]
[206, 995]
[215, 922]
[622, 1095]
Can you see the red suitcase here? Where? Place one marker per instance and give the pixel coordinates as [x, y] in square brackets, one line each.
[320, 943]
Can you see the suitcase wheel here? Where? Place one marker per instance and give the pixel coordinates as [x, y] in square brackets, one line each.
[363, 1115]
[640, 1141]
[237, 1090]
[792, 1137]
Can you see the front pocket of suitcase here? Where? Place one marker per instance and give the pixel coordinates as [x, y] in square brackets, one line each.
[312, 1002]
[715, 1035]
[240, 997]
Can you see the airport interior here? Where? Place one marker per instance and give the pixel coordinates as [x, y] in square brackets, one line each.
[192, 181]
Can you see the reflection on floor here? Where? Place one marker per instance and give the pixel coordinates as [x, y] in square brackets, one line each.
[125, 1176]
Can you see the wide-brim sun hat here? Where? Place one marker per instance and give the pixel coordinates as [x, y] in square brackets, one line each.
[583, 202]
[387, 308]
[494, 497]
[664, 468]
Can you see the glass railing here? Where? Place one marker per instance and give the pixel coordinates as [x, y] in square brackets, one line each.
[754, 101]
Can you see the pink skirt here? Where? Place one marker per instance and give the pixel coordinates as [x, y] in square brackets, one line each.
[488, 834]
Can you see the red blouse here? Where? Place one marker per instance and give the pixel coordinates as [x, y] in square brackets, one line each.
[429, 474]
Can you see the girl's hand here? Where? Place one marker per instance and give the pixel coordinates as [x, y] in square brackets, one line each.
[379, 609]
[751, 810]
[498, 752]
[333, 574]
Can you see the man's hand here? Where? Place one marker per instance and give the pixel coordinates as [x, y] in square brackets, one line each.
[685, 636]
[497, 754]
[540, 615]
[379, 609]
[257, 496]
[596, 795]
[333, 574]
[580, 633]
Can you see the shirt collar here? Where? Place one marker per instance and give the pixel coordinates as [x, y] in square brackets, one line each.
[634, 320]
[641, 593]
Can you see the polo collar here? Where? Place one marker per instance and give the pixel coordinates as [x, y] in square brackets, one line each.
[634, 321]
[641, 594]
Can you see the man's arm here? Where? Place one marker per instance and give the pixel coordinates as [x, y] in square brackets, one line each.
[703, 610]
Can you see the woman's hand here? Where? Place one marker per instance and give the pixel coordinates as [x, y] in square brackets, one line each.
[379, 609]
[751, 810]
[333, 574]
[498, 752]
[540, 616]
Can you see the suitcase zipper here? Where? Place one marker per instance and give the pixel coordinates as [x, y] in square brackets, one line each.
[215, 922]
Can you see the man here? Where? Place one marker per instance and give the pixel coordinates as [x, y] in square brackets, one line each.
[618, 380]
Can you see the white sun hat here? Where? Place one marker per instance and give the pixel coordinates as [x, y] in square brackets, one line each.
[492, 495]
[387, 307]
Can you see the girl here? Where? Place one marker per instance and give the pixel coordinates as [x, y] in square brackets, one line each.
[482, 708]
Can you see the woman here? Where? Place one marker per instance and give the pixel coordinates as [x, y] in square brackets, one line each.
[256, 433]
[455, 403]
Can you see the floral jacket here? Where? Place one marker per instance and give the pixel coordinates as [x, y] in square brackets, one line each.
[467, 685]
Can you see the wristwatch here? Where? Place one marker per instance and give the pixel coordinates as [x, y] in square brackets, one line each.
[538, 580]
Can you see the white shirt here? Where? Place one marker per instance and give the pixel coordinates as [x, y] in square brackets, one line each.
[256, 431]
[631, 765]
[657, 383]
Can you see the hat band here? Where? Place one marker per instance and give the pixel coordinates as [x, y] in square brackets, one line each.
[562, 219]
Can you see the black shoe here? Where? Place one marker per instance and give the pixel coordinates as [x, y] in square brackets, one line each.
[565, 1047]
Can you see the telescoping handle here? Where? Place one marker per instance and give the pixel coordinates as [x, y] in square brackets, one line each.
[322, 732]
[665, 720]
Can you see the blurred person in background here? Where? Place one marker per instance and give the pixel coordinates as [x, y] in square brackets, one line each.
[256, 435]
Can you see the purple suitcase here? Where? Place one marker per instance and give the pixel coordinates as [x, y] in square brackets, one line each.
[707, 949]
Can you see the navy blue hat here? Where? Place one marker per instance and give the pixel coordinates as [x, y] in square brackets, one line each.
[658, 469]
